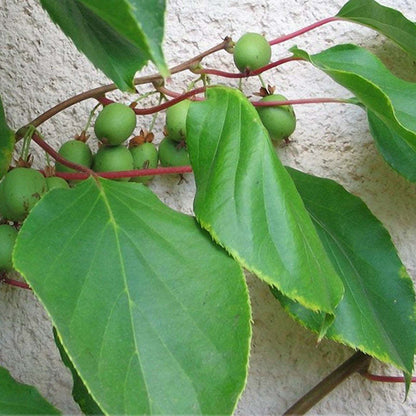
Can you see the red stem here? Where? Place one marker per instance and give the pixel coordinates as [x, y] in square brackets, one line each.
[300, 101]
[304, 30]
[259, 71]
[385, 379]
[52, 152]
[126, 173]
[157, 108]
[15, 283]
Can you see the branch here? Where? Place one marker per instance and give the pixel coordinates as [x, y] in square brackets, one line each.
[101, 91]
[357, 362]
[304, 30]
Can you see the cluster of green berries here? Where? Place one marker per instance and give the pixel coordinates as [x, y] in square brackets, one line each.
[251, 52]
[113, 126]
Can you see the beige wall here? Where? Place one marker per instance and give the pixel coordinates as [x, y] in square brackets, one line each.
[40, 67]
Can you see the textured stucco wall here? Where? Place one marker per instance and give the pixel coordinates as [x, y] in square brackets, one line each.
[40, 67]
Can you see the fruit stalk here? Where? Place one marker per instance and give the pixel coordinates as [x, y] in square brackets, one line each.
[304, 30]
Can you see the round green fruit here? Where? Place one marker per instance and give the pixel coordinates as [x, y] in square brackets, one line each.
[115, 123]
[75, 151]
[54, 182]
[172, 153]
[251, 52]
[176, 120]
[21, 189]
[4, 210]
[280, 121]
[8, 236]
[113, 159]
[144, 157]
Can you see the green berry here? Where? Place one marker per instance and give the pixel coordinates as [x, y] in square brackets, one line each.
[280, 121]
[75, 151]
[176, 120]
[172, 153]
[144, 157]
[21, 189]
[113, 159]
[251, 52]
[54, 182]
[115, 123]
[8, 236]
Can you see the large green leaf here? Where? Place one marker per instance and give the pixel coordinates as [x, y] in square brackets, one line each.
[154, 317]
[385, 20]
[80, 393]
[390, 101]
[377, 313]
[248, 203]
[6, 142]
[117, 36]
[21, 399]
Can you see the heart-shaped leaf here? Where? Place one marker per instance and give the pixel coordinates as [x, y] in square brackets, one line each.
[248, 203]
[388, 21]
[118, 37]
[6, 142]
[21, 399]
[390, 101]
[154, 317]
[377, 313]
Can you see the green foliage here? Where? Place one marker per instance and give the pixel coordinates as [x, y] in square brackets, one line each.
[20, 399]
[389, 100]
[377, 313]
[117, 36]
[155, 317]
[388, 21]
[249, 204]
[6, 142]
[8, 236]
[150, 306]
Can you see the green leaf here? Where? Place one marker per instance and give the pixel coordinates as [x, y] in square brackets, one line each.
[390, 101]
[21, 399]
[154, 317]
[79, 392]
[118, 37]
[377, 313]
[6, 142]
[390, 22]
[248, 203]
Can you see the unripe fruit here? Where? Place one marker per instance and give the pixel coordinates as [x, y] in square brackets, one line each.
[280, 121]
[172, 153]
[144, 157]
[4, 211]
[75, 151]
[176, 120]
[21, 189]
[115, 124]
[8, 236]
[113, 159]
[251, 52]
[54, 182]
